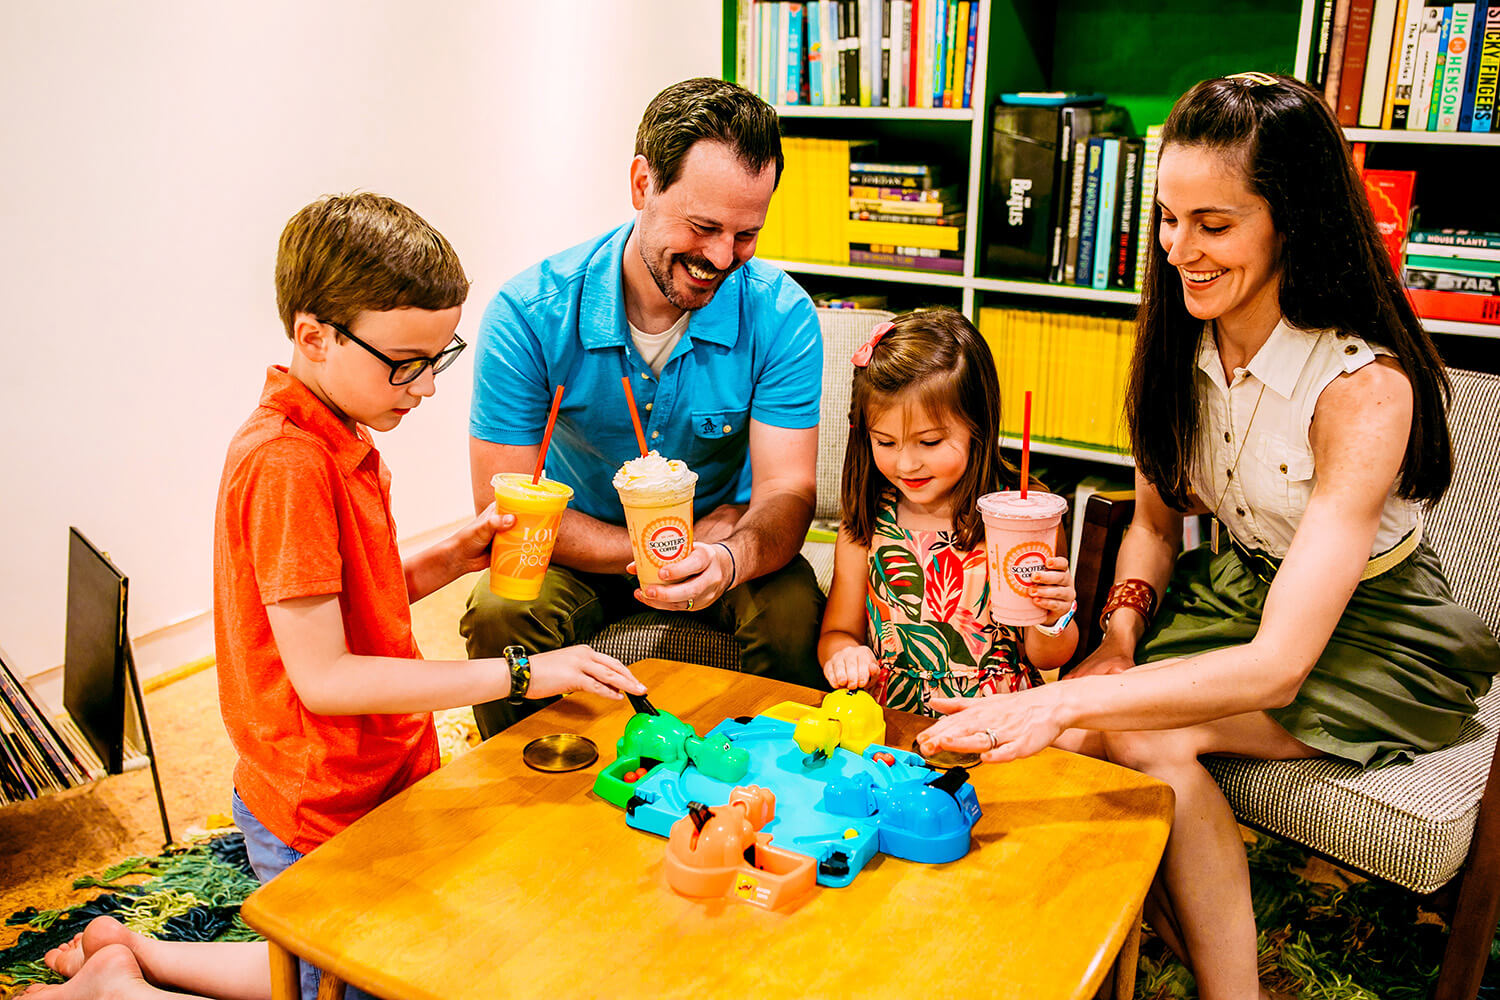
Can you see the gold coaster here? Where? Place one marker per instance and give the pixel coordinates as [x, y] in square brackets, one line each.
[560, 752]
[945, 759]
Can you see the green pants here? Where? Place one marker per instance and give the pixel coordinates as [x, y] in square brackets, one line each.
[1399, 675]
[774, 618]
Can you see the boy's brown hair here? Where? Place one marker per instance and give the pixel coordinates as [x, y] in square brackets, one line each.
[938, 356]
[348, 253]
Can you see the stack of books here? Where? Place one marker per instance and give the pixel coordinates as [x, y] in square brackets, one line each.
[1417, 65]
[840, 300]
[38, 755]
[837, 206]
[1076, 368]
[1070, 193]
[1454, 274]
[862, 53]
[805, 220]
[901, 216]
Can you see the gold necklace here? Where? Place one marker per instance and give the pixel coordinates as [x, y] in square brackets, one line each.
[1233, 468]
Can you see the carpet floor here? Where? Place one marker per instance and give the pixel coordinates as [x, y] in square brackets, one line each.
[1326, 934]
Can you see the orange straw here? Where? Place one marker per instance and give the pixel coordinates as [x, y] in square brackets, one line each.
[1026, 446]
[541, 458]
[635, 418]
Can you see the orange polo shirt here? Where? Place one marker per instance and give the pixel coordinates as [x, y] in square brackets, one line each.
[304, 510]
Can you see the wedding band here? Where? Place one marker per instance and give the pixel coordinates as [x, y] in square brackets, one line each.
[994, 740]
[690, 604]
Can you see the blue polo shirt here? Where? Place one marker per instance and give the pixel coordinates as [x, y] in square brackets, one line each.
[754, 352]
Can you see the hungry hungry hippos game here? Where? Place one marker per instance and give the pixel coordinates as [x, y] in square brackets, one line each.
[766, 808]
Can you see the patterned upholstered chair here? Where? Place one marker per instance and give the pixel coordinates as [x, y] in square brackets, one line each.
[1431, 826]
[673, 636]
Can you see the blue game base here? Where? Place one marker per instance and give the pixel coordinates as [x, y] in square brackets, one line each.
[839, 810]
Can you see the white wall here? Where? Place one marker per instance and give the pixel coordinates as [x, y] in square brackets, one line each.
[151, 153]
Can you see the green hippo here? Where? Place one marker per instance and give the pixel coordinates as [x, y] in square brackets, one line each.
[659, 736]
[717, 758]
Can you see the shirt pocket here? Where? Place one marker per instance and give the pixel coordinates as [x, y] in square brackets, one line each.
[716, 431]
[1284, 474]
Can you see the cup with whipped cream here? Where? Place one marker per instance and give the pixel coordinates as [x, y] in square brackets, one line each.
[657, 494]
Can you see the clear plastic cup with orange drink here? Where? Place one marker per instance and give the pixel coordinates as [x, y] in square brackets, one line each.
[519, 557]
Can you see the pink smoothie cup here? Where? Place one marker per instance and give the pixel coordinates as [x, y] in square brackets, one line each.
[1019, 535]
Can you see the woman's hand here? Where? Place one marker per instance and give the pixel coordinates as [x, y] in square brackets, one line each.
[579, 668]
[851, 667]
[1109, 658]
[1052, 589]
[998, 727]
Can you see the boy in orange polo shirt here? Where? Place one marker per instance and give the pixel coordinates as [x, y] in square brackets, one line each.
[324, 693]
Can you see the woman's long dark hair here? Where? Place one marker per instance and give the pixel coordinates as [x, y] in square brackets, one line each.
[1335, 273]
[938, 354]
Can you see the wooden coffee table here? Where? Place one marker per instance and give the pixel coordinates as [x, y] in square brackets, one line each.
[488, 879]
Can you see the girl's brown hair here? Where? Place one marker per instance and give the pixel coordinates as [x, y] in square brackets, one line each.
[937, 354]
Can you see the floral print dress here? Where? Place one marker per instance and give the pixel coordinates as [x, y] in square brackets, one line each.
[928, 611]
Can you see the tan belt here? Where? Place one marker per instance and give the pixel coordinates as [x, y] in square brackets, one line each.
[1393, 556]
[1265, 567]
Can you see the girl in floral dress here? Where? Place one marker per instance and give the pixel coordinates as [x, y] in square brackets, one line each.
[909, 612]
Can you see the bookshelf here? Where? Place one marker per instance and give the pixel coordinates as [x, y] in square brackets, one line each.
[1121, 50]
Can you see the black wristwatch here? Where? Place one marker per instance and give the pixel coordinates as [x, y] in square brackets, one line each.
[520, 673]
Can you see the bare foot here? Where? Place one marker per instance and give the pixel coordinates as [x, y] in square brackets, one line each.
[66, 959]
[109, 974]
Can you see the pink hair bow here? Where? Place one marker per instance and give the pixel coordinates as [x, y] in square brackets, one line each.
[861, 357]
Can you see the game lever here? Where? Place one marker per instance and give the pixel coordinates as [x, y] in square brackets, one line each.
[713, 852]
[815, 779]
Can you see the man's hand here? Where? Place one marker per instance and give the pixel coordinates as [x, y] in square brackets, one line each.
[701, 578]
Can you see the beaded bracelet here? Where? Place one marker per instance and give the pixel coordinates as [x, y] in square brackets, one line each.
[1134, 593]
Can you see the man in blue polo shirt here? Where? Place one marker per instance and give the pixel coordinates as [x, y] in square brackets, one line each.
[724, 357]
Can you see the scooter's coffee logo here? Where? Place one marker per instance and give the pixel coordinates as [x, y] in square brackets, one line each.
[1024, 561]
[666, 541]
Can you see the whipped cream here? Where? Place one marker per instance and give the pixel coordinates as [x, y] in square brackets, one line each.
[651, 472]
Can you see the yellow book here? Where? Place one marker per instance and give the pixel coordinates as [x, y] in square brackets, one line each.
[794, 181]
[1124, 349]
[1398, 40]
[906, 234]
[772, 240]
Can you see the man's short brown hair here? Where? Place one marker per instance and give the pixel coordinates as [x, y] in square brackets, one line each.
[706, 108]
[348, 253]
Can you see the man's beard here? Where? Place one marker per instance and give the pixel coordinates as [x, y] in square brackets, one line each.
[660, 269]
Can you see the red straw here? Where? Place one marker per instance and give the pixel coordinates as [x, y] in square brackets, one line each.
[1026, 446]
[635, 418]
[541, 458]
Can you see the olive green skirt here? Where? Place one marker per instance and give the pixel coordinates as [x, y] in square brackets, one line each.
[1399, 675]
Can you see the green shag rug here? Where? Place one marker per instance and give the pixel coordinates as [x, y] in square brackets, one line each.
[1320, 941]
[190, 893]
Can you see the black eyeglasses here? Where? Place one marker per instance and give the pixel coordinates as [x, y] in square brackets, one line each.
[409, 369]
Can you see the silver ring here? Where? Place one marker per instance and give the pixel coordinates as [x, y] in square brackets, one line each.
[994, 740]
[690, 604]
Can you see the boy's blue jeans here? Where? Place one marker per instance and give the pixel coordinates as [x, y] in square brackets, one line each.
[270, 857]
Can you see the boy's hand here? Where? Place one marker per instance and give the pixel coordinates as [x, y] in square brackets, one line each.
[579, 668]
[852, 667]
[471, 543]
[1052, 589]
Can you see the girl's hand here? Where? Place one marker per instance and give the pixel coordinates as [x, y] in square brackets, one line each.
[1052, 589]
[852, 667]
[471, 543]
[579, 668]
[1103, 660]
[998, 727]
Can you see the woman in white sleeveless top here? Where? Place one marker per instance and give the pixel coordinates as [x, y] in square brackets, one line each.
[1283, 384]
